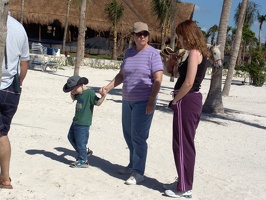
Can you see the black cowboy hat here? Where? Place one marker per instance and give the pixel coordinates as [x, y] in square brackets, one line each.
[74, 81]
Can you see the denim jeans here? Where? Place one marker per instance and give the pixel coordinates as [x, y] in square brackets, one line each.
[136, 126]
[78, 136]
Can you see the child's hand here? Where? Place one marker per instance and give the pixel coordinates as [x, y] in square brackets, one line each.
[103, 93]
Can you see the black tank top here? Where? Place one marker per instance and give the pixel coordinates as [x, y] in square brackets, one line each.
[182, 69]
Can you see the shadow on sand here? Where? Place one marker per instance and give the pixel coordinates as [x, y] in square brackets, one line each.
[109, 168]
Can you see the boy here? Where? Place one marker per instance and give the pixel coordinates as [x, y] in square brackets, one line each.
[79, 130]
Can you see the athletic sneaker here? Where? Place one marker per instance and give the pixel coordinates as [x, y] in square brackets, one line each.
[134, 179]
[80, 164]
[125, 171]
[89, 152]
[178, 194]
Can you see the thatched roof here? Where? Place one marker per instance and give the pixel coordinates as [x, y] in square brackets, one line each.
[44, 12]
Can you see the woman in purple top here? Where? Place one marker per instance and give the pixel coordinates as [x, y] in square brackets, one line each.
[187, 107]
[141, 74]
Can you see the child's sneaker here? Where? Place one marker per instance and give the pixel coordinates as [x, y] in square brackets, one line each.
[80, 164]
[134, 179]
[89, 152]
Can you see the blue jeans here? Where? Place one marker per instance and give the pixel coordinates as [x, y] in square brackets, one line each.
[136, 126]
[78, 136]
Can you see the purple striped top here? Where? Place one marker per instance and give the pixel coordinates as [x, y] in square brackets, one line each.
[138, 68]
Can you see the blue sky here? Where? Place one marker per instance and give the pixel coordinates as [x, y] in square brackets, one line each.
[207, 13]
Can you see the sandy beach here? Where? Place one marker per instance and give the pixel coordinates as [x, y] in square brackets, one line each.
[231, 148]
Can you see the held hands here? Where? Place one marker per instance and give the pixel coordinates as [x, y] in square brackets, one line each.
[103, 91]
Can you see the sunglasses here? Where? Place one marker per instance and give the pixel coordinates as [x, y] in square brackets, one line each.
[144, 33]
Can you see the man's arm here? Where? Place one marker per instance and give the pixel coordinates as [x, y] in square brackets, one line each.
[23, 69]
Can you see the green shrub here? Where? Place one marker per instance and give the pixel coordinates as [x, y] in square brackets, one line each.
[256, 68]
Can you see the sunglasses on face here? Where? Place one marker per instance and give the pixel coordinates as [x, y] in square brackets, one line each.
[144, 33]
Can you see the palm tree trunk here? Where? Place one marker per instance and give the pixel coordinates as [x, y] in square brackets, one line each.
[115, 37]
[3, 31]
[222, 30]
[214, 102]
[260, 33]
[173, 22]
[163, 37]
[81, 37]
[40, 32]
[235, 49]
[115, 43]
[66, 27]
[239, 56]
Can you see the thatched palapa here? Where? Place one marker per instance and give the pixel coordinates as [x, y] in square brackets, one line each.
[44, 12]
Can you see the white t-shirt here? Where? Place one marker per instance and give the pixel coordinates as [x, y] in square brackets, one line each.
[17, 45]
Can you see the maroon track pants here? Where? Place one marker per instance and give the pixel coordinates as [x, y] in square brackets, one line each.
[186, 118]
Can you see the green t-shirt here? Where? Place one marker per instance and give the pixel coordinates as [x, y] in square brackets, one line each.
[84, 107]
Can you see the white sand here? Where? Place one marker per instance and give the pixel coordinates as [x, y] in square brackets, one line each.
[231, 155]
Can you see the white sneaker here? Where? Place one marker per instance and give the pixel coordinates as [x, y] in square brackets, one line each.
[125, 171]
[178, 194]
[134, 179]
[170, 186]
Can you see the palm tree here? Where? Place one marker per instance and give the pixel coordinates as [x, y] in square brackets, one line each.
[223, 27]
[3, 31]
[66, 26]
[81, 37]
[115, 13]
[249, 40]
[252, 9]
[235, 49]
[250, 16]
[206, 34]
[261, 19]
[213, 102]
[228, 43]
[162, 8]
[213, 30]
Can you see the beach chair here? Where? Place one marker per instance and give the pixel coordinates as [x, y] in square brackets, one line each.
[44, 57]
[51, 63]
[37, 60]
[36, 48]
